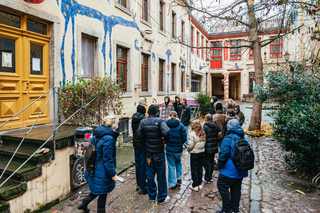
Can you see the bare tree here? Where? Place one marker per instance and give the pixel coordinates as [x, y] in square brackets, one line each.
[254, 18]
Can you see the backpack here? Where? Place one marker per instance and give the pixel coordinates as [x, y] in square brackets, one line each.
[90, 157]
[243, 156]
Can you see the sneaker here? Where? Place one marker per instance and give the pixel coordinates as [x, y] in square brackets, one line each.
[173, 187]
[143, 191]
[221, 211]
[194, 188]
[208, 181]
[152, 200]
[179, 182]
[138, 188]
[200, 187]
[164, 201]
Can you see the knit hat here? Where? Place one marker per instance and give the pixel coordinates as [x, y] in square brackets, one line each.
[232, 123]
[141, 109]
[143, 101]
[219, 106]
[152, 110]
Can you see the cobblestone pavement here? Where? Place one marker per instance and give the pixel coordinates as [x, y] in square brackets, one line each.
[125, 198]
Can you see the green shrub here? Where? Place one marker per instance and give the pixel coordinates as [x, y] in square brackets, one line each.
[105, 92]
[204, 99]
[296, 124]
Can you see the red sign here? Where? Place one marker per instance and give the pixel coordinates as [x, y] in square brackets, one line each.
[226, 51]
[34, 1]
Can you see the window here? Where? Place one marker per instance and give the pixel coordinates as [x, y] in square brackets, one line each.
[182, 81]
[173, 24]
[173, 68]
[216, 54]
[197, 43]
[161, 15]
[161, 65]
[9, 19]
[37, 27]
[192, 32]
[251, 51]
[276, 48]
[144, 73]
[251, 82]
[122, 68]
[195, 83]
[235, 53]
[7, 52]
[123, 2]
[202, 55]
[145, 8]
[123, 127]
[182, 31]
[88, 52]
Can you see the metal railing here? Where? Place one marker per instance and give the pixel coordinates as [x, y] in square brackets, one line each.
[55, 92]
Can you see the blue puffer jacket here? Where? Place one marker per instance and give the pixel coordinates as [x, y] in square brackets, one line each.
[178, 136]
[101, 182]
[225, 164]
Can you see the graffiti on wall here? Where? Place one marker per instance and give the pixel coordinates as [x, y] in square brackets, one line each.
[34, 1]
[168, 53]
[70, 9]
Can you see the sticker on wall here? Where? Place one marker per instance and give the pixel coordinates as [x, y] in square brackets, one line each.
[6, 59]
[158, 42]
[70, 9]
[154, 72]
[237, 67]
[34, 1]
[136, 45]
[226, 51]
[135, 103]
[153, 57]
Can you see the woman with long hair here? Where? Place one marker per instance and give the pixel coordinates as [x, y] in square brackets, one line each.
[197, 142]
[230, 104]
[174, 149]
[211, 148]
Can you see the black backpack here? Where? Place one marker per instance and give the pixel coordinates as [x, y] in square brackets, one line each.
[90, 157]
[243, 157]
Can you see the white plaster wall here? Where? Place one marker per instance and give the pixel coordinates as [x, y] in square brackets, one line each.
[52, 184]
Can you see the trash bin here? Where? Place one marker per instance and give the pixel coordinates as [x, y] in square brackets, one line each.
[82, 138]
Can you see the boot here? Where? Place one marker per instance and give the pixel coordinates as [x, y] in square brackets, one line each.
[84, 205]
[101, 210]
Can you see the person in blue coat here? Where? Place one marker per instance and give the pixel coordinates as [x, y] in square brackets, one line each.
[230, 177]
[105, 175]
[174, 149]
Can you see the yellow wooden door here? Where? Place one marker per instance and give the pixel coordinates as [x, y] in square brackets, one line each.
[24, 70]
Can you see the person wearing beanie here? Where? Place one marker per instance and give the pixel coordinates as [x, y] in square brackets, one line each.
[143, 102]
[239, 114]
[139, 151]
[155, 132]
[230, 178]
[166, 108]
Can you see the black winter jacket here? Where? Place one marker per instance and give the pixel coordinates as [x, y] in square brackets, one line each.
[137, 142]
[211, 130]
[186, 116]
[176, 107]
[153, 130]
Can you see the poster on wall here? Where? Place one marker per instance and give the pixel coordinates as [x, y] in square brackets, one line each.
[36, 64]
[34, 1]
[188, 82]
[225, 51]
[6, 59]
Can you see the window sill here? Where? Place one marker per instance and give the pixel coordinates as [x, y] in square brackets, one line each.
[162, 33]
[127, 95]
[161, 93]
[173, 40]
[146, 22]
[145, 94]
[173, 93]
[123, 9]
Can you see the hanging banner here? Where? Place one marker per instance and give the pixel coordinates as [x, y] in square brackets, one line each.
[226, 87]
[34, 1]
[226, 51]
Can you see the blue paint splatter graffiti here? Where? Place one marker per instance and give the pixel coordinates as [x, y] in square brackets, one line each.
[153, 57]
[70, 9]
[168, 53]
[136, 45]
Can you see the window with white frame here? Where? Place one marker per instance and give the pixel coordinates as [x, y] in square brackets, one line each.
[88, 44]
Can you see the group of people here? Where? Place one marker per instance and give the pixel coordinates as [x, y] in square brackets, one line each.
[160, 133]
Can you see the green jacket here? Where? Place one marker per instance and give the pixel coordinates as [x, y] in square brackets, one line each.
[240, 115]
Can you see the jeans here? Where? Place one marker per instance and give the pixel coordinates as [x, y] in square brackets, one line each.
[230, 201]
[186, 143]
[141, 170]
[196, 168]
[208, 166]
[174, 165]
[101, 200]
[156, 165]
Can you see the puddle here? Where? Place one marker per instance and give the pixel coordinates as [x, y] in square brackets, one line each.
[297, 187]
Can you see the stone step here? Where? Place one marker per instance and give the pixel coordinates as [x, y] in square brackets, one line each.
[28, 172]
[4, 207]
[12, 189]
[24, 152]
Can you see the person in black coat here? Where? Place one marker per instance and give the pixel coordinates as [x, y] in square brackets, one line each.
[211, 148]
[213, 100]
[155, 132]
[176, 104]
[185, 116]
[139, 151]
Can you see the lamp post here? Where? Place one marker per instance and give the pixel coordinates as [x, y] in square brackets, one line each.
[287, 57]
